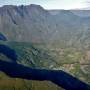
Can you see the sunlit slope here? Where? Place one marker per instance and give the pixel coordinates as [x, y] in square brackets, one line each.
[71, 60]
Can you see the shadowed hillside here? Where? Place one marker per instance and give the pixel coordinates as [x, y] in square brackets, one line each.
[58, 77]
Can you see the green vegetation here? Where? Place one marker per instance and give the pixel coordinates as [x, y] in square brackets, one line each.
[41, 56]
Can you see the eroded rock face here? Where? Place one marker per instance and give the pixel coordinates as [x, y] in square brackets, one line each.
[23, 22]
[32, 23]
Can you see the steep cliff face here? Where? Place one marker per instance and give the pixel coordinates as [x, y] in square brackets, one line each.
[34, 24]
[23, 23]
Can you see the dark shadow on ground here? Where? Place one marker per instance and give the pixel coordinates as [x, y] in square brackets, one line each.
[58, 77]
[2, 37]
[7, 51]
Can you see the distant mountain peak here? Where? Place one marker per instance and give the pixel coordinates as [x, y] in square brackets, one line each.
[31, 6]
[35, 6]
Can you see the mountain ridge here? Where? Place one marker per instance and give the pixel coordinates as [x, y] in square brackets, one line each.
[33, 23]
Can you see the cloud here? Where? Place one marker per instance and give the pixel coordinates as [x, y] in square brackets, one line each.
[64, 4]
[48, 4]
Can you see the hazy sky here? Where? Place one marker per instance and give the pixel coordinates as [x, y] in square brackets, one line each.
[49, 4]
